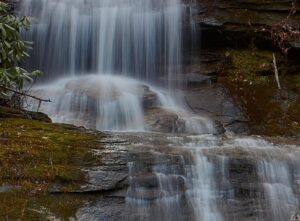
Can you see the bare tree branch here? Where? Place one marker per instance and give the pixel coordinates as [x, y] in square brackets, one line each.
[25, 94]
[276, 72]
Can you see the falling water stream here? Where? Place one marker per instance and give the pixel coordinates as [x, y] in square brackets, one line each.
[112, 65]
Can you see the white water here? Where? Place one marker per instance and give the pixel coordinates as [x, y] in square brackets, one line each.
[99, 102]
[111, 103]
[279, 192]
[137, 38]
[204, 192]
[198, 178]
[140, 39]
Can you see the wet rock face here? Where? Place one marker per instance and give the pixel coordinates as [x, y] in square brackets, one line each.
[215, 101]
[149, 98]
[163, 180]
[226, 36]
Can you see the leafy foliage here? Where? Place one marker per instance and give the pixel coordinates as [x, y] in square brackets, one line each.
[13, 49]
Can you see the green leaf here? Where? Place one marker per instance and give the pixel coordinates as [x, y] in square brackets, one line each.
[3, 31]
[13, 49]
[9, 27]
[7, 44]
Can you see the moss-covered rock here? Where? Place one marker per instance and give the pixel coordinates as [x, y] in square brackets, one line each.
[19, 206]
[7, 112]
[249, 75]
[253, 67]
[38, 157]
[34, 154]
[48, 171]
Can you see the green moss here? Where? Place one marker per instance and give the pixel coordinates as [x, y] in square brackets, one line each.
[36, 154]
[249, 66]
[17, 206]
[250, 79]
[294, 112]
[293, 82]
[6, 112]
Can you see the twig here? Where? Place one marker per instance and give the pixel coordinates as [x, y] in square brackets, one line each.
[276, 72]
[25, 94]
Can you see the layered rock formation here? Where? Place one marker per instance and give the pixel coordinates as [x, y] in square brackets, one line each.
[136, 176]
[241, 23]
[232, 43]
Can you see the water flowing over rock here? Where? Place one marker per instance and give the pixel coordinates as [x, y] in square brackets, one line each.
[136, 38]
[114, 66]
[98, 102]
[196, 177]
[105, 102]
[140, 39]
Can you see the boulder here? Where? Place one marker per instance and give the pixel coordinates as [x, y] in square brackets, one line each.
[163, 120]
[149, 98]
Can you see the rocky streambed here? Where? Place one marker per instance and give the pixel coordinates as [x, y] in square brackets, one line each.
[144, 176]
[167, 177]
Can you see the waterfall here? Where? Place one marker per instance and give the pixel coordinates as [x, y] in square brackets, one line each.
[136, 38]
[99, 102]
[279, 192]
[112, 65]
[99, 58]
[204, 192]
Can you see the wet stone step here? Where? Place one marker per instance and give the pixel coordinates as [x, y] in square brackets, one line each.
[155, 194]
[158, 180]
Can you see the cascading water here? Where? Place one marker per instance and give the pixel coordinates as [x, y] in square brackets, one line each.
[279, 192]
[209, 178]
[99, 58]
[140, 39]
[100, 102]
[137, 38]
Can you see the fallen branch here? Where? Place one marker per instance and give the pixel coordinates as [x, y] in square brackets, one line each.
[276, 72]
[26, 95]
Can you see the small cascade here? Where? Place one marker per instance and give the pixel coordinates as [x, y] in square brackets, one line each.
[185, 185]
[203, 193]
[207, 178]
[156, 190]
[279, 193]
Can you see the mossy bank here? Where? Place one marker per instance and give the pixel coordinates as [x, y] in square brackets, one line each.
[38, 157]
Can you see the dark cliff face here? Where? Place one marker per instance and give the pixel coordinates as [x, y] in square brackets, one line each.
[233, 42]
[246, 22]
